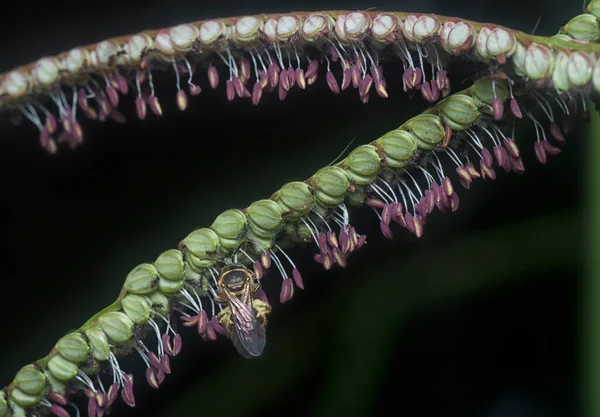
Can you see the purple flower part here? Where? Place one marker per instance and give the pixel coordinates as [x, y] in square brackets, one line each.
[487, 157]
[430, 196]
[115, 115]
[313, 66]
[340, 258]
[385, 230]
[230, 90]
[327, 261]
[165, 364]
[50, 123]
[344, 240]
[151, 378]
[322, 238]
[166, 341]
[399, 218]
[464, 176]
[497, 109]
[202, 322]
[245, 68]
[556, 133]
[189, 321]
[375, 203]
[540, 152]
[465, 184]
[257, 92]
[318, 257]
[454, 202]
[332, 240]
[284, 81]
[154, 360]
[441, 79]
[365, 85]
[273, 75]
[57, 398]
[515, 109]
[435, 91]
[82, 100]
[291, 77]
[265, 260]
[181, 100]
[364, 99]
[355, 75]
[160, 376]
[407, 79]
[113, 392]
[410, 224]
[210, 332]
[238, 86]
[297, 278]
[300, 78]
[122, 84]
[89, 393]
[512, 148]
[549, 148]
[92, 407]
[287, 291]
[213, 77]
[362, 241]
[487, 171]
[140, 108]
[113, 95]
[334, 54]
[447, 186]
[258, 270]
[261, 295]
[58, 411]
[502, 157]
[386, 214]
[397, 209]
[417, 78]
[426, 92]
[418, 223]
[332, 82]
[282, 92]
[100, 412]
[217, 327]
[311, 80]
[101, 399]
[177, 344]
[517, 165]
[375, 74]
[154, 105]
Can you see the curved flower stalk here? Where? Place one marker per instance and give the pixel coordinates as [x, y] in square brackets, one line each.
[275, 53]
[403, 176]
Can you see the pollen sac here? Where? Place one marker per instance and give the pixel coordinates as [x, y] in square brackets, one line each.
[169, 265]
[296, 199]
[247, 29]
[137, 308]
[117, 326]
[23, 399]
[160, 302]
[427, 129]
[459, 111]
[98, 342]
[202, 243]
[560, 79]
[579, 69]
[384, 28]
[30, 380]
[487, 89]
[143, 279]
[167, 286]
[331, 184]
[230, 227]
[73, 347]
[265, 217]
[399, 147]
[3, 405]
[362, 165]
[584, 27]
[539, 61]
[61, 368]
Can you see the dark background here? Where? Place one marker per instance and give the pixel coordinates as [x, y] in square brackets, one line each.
[478, 318]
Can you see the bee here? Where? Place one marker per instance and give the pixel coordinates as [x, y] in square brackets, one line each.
[244, 316]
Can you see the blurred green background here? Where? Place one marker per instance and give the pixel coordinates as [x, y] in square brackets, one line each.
[489, 314]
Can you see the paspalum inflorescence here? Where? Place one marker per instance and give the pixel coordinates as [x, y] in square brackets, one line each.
[403, 176]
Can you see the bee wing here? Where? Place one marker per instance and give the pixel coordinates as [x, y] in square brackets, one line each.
[248, 334]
